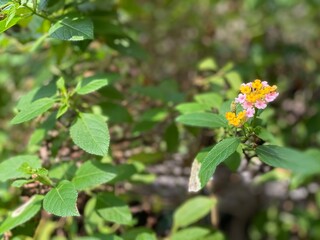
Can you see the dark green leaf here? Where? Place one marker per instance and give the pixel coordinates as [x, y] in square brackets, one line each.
[209, 120]
[287, 158]
[72, 29]
[92, 173]
[220, 152]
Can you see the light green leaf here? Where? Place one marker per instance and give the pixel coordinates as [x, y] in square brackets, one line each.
[207, 64]
[220, 152]
[113, 209]
[15, 14]
[61, 200]
[210, 100]
[192, 210]
[63, 170]
[22, 214]
[47, 91]
[93, 173]
[287, 158]
[191, 233]
[72, 29]
[90, 132]
[9, 169]
[146, 236]
[35, 109]
[191, 107]
[93, 83]
[209, 120]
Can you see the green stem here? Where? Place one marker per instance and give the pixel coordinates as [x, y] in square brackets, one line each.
[254, 117]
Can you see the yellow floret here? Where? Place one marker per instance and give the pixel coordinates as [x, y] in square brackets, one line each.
[251, 97]
[242, 115]
[245, 89]
[230, 115]
[257, 84]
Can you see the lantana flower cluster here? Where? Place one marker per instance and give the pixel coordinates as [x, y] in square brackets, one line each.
[254, 95]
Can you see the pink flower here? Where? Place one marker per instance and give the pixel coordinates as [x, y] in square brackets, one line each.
[241, 98]
[246, 105]
[250, 112]
[271, 96]
[265, 83]
[260, 104]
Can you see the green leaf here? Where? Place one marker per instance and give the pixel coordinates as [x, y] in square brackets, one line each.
[14, 14]
[47, 91]
[132, 234]
[192, 233]
[35, 109]
[61, 200]
[220, 152]
[154, 115]
[207, 64]
[126, 46]
[171, 137]
[93, 83]
[20, 182]
[191, 107]
[116, 112]
[93, 173]
[192, 210]
[210, 100]
[146, 236]
[90, 132]
[194, 180]
[209, 120]
[233, 161]
[22, 214]
[39, 134]
[10, 168]
[113, 209]
[63, 170]
[287, 158]
[72, 29]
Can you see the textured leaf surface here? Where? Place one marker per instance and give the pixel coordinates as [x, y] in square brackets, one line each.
[192, 210]
[72, 29]
[220, 152]
[287, 158]
[192, 233]
[22, 214]
[35, 109]
[91, 133]
[199, 119]
[61, 200]
[93, 83]
[9, 169]
[113, 209]
[91, 174]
